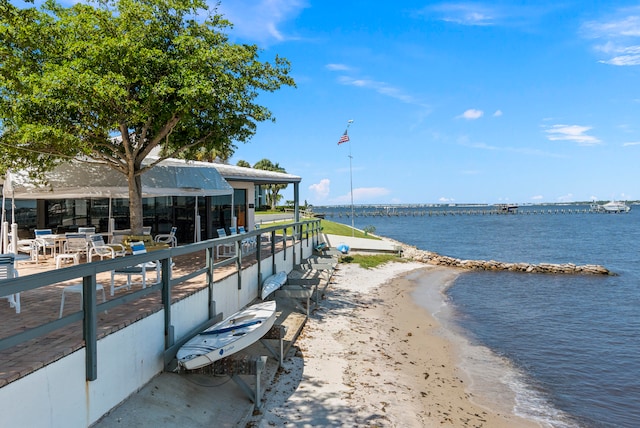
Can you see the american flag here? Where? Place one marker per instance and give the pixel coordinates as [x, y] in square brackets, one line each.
[344, 138]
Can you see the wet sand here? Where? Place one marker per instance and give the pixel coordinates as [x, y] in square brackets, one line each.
[371, 356]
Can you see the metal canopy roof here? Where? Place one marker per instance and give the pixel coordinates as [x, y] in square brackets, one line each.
[76, 179]
[258, 176]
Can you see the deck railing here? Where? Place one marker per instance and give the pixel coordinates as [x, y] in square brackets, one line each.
[307, 230]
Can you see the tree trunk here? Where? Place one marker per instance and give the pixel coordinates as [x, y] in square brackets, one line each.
[136, 216]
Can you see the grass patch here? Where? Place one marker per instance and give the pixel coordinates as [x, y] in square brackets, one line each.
[371, 261]
[329, 227]
[333, 228]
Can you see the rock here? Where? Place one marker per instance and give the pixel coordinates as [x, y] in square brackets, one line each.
[429, 257]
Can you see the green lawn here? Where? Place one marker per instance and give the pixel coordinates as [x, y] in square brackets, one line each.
[369, 261]
[331, 228]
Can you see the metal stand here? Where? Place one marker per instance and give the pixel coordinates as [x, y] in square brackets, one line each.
[235, 366]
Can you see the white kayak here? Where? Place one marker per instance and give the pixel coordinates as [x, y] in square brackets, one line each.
[228, 336]
[272, 283]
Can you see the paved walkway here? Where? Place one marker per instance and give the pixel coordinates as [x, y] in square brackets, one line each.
[362, 244]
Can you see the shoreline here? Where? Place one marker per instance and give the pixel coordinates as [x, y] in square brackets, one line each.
[373, 355]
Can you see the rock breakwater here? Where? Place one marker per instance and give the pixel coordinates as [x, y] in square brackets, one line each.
[430, 257]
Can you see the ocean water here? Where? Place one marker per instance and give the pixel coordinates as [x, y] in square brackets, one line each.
[566, 347]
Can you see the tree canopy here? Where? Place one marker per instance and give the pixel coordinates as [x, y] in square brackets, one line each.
[272, 191]
[110, 81]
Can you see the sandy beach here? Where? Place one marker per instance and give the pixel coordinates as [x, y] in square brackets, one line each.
[370, 356]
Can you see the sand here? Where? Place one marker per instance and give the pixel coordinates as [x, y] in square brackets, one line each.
[369, 356]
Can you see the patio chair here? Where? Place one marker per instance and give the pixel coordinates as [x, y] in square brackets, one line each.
[139, 269]
[77, 289]
[28, 246]
[248, 244]
[224, 250]
[87, 230]
[7, 271]
[102, 250]
[168, 238]
[264, 237]
[45, 241]
[76, 243]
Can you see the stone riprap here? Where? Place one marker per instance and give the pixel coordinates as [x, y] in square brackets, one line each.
[430, 257]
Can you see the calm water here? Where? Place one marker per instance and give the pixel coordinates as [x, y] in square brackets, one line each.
[569, 345]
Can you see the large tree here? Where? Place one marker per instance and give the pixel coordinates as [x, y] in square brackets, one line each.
[272, 191]
[110, 81]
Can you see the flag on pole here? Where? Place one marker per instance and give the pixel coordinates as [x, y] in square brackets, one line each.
[344, 138]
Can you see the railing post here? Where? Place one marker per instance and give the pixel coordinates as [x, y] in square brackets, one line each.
[210, 253]
[169, 338]
[273, 252]
[259, 258]
[239, 263]
[284, 242]
[293, 249]
[89, 326]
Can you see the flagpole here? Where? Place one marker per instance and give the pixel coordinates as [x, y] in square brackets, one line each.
[353, 229]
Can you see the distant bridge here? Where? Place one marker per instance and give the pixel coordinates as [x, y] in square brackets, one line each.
[460, 212]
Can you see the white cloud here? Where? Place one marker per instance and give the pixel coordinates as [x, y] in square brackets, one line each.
[575, 133]
[497, 113]
[631, 143]
[537, 198]
[471, 114]
[338, 67]
[444, 200]
[321, 189]
[463, 13]
[261, 20]
[463, 141]
[620, 34]
[627, 24]
[382, 88]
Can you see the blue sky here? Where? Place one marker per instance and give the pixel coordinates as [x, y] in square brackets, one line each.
[452, 102]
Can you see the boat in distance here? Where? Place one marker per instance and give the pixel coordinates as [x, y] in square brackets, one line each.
[506, 207]
[227, 337]
[611, 207]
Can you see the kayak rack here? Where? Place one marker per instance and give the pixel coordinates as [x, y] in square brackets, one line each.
[235, 366]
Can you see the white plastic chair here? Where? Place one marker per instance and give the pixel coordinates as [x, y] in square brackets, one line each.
[139, 269]
[167, 238]
[76, 243]
[7, 271]
[44, 241]
[28, 246]
[224, 250]
[248, 244]
[102, 250]
[77, 288]
[87, 230]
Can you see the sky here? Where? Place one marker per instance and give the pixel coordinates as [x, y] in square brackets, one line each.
[451, 102]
